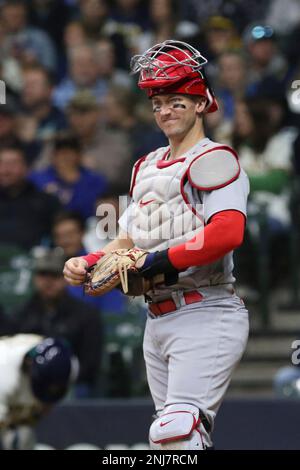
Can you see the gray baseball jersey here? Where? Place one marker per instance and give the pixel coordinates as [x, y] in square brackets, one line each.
[166, 210]
[190, 353]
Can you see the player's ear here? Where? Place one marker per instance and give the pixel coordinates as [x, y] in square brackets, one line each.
[200, 104]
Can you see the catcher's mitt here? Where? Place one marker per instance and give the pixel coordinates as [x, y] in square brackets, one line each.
[111, 270]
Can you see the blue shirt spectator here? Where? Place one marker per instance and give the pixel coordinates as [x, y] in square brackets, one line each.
[66, 90]
[76, 187]
[112, 302]
[83, 73]
[68, 232]
[79, 195]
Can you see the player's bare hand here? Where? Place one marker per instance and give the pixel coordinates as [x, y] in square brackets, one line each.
[75, 271]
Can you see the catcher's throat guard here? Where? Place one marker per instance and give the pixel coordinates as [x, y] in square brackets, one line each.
[173, 67]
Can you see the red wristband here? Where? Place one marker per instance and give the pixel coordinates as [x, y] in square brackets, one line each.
[93, 258]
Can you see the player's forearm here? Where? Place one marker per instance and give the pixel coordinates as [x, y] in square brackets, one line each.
[122, 241]
[223, 234]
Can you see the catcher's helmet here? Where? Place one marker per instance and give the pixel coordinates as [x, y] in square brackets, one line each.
[52, 368]
[173, 67]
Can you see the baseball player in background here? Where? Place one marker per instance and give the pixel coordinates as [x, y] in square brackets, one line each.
[197, 327]
[35, 373]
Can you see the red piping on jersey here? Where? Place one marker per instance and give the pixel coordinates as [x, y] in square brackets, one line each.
[185, 198]
[135, 170]
[222, 234]
[163, 163]
[221, 147]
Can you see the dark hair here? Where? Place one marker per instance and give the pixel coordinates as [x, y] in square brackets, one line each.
[49, 76]
[66, 141]
[14, 146]
[14, 3]
[124, 97]
[260, 112]
[69, 215]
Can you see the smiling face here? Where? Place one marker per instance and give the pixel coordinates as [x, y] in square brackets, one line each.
[177, 115]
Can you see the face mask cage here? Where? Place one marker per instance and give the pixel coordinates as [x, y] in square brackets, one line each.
[152, 68]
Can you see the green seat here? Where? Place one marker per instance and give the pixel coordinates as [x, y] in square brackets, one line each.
[123, 365]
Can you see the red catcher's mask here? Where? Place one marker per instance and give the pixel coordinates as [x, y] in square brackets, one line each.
[173, 67]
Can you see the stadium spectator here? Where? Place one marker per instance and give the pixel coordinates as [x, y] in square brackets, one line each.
[132, 14]
[51, 16]
[27, 44]
[8, 133]
[106, 60]
[240, 12]
[15, 129]
[129, 19]
[76, 187]
[74, 35]
[220, 36]
[163, 17]
[68, 233]
[265, 61]
[93, 17]
[105, 149]
[121, 114]
[232, 80]
[83, 73]
[10, 69]
[39, 119]
[26, 213]
[265, 147]
[53, 312]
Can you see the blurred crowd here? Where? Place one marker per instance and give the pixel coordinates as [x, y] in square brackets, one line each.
[74, 123]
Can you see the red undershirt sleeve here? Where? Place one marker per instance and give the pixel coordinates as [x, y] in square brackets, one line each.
[223, 233]
[92, 258]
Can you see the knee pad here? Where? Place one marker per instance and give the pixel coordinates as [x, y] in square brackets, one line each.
[179, 427]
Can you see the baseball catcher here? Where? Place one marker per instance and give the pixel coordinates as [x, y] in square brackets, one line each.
[186, 216]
